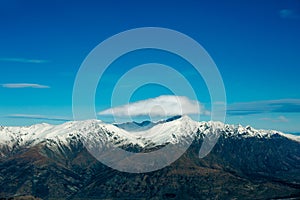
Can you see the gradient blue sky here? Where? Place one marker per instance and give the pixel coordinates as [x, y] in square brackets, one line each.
[255, 44]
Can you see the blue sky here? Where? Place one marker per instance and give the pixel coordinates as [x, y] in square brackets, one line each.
[255, 44]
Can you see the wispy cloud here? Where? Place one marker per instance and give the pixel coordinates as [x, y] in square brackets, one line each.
[24, 60]
[278, 119]
[166, 105]
[42, 117]
[271, 106]
[24, 85]
[289, 14]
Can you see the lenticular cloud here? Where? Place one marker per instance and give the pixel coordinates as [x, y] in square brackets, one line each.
[166, 105]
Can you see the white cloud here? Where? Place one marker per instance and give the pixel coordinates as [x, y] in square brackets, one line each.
[23, 60]
[24, 85]
[166, 105]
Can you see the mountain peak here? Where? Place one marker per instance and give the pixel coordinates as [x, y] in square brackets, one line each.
[141, 134]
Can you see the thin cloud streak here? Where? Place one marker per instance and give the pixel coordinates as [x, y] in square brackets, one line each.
[24, 60]
[271, 106]
[279, 119]
[24, 85]
[38, 117]
[289, 14]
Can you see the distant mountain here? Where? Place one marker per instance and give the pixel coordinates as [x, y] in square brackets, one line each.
[51, 162]
[136, 126]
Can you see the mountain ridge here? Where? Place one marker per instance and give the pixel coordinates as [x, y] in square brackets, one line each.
[38, 132]
[245, 163]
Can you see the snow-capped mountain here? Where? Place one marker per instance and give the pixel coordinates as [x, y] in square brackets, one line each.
[163, 132]
[13, 137]
[50, 161]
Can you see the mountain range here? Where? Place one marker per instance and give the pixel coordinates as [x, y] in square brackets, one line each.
[52, 162]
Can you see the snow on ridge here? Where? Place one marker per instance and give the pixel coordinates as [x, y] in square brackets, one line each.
[171, 131]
